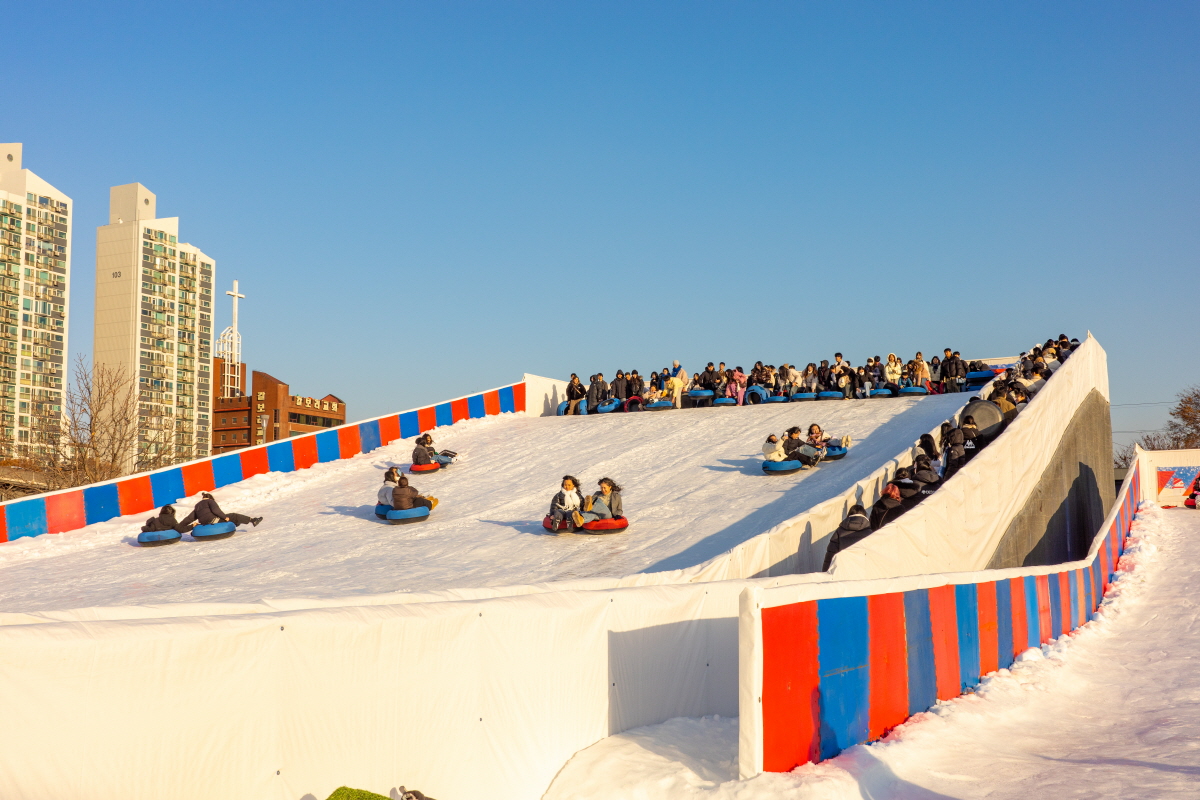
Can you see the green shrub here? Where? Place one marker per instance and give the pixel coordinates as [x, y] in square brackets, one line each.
[346, 793]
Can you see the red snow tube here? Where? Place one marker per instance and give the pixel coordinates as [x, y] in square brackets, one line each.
[564, 524]
[612, 525]
[419, 468]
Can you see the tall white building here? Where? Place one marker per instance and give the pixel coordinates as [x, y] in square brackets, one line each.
[35, 268]
[154, 319]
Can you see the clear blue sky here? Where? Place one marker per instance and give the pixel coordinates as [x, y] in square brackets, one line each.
[422, 200]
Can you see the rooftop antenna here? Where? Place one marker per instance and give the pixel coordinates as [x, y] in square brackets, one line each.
[229, 349]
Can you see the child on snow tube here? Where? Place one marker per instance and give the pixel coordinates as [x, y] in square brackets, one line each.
[568, 500]
[821, 441]
[773, 449]
[797, 449]
[424, 453]
[604, 504]
[396, 493]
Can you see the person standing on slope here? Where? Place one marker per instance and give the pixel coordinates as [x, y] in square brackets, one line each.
[576, 392]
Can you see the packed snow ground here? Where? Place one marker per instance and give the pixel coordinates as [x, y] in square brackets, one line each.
[1110, 711]
[693, 489]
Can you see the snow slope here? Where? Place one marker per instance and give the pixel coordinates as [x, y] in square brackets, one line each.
[1112, 710]
[693, 489]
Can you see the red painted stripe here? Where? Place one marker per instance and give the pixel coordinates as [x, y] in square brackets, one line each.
[989, 629]
[304, 451]
[427, 419]
[791, 697]
[389, 429]
[1016, 588]
[64, 512]
[460, 410]
[3, 525]
[1045, 621]
[255, 462]
[888, 663]
[1064, 601]
[136, 495]
[491, 403]
[349, 442]
[197, 478]
[519, 396]
[944, 617]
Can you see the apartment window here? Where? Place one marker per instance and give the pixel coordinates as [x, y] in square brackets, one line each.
[173, 240]
[222, 437]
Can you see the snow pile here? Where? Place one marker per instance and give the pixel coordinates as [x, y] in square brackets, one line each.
[1112, 710]
[693, 481]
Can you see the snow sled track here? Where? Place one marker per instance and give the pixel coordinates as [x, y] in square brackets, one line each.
[693, 484]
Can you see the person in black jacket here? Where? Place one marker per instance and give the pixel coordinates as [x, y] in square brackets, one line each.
[887, 507]
[972, 441]
[597, 392]
[910, 490]
[956, 453]
[636, 384]
[165, 521]
[854, 528]
[207, 512]
[620, 387]
[576, 392]
[926, 477]
[708, 378]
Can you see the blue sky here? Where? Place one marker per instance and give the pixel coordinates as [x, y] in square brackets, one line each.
[424, 200]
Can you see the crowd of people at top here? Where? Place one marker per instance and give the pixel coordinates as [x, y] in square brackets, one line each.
[941, 374]
[938, 460]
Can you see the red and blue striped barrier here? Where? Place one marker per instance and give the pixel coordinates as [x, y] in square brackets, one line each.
[846, 670]
[71, 509]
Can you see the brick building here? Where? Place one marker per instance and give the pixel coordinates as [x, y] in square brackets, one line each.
[270, 413]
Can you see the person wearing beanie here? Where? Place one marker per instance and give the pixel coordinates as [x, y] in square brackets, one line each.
[854, 528]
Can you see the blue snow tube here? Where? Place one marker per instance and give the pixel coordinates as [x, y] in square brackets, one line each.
[725, 401]
[834, 453]
[562, 407]
[880, 393]
[608, 406]
[218, 530]
[779, 399]
[756, 394]
[781, 467]
[798, 396]
[158, 538]
[913, 390]
[829, 395]
[700, 394]
[401, 517]
[984, 375]
[659, 405]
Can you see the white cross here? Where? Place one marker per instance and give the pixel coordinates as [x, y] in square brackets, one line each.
[234, 294]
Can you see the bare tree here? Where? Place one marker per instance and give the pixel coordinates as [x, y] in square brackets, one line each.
[1181, 433]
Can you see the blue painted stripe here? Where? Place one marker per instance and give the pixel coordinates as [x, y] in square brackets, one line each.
[26, 518]
[1056, 620]
[1032, 618]
[280, 457]
[475, 407]
[227, 470]
[966, 604]
[409, 425]
[1089, 592]
[1004, 623]
[368, 436]
[101, 503]
[918, 632]
[443, 414]
[328, 448]
[507, 402]
[167, 487]
[843, 653]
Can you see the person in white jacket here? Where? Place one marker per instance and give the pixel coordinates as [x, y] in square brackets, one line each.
[384, 496]
[893, 369]
[773, 449]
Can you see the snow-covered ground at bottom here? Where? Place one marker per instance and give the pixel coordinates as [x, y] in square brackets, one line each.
[693, 489]
[1112, 710]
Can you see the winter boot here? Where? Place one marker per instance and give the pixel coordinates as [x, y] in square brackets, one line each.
[255, 521]
[433, 501]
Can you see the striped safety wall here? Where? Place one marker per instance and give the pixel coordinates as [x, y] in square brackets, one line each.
[843, 671]
[74, 508]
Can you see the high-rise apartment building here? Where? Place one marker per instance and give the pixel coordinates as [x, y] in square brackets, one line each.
[35, 267]
[154, 320]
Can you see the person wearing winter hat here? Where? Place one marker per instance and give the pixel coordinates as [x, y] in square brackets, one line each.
[405, 497]
[854, 528]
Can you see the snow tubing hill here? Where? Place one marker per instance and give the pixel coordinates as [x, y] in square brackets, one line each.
[401, 517]
[218, 530]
